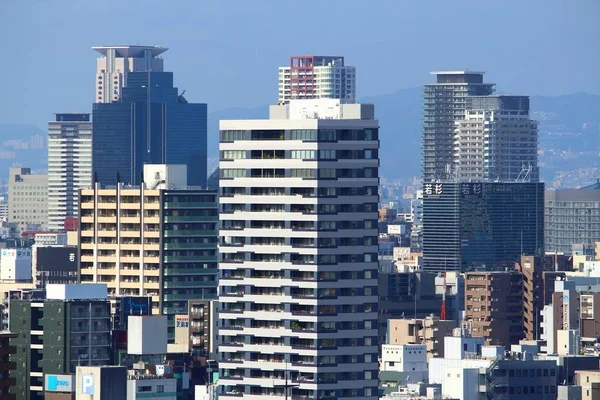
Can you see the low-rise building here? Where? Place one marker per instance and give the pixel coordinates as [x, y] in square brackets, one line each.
[429, 331]
[408, 358]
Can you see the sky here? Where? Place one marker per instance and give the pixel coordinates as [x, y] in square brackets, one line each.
[226, 53]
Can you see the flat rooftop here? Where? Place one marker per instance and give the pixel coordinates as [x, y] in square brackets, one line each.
[130, 50]
[458, 72]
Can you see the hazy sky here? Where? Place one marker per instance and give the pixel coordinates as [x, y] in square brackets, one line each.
[226, 53]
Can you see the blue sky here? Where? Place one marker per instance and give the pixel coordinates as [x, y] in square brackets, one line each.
[226, 53]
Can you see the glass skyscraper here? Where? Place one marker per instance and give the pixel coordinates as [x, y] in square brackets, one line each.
[481, 225]
[149, 124]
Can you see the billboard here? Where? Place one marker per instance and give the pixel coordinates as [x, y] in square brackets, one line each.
[56, 259]
[58, 383]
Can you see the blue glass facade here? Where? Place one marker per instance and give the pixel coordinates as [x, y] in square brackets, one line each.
[151, 124]
[481, 225]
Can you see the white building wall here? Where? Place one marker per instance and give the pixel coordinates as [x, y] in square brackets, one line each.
[157, 389]
[461, 383]
[292, 294]
[69, 168]
[15, 265]
[456, 347]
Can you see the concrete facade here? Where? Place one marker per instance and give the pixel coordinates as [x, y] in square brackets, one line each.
[27, 199]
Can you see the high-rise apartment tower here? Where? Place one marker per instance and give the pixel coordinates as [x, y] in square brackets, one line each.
[69, 165]
[496, 140]
[445, 103]
[298, 253]
[317, 77]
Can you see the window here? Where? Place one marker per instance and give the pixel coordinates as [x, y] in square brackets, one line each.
[232, 154]
[144, 389]
[327, 135]
[303, 134]
[327, 173]
[327, 154]
[232, 135]
[233, 173]
[303, 154]
[160, 389]
[302, 173]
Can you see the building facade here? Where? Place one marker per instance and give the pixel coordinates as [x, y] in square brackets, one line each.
[151, 123]
[429, 331]
[539, 275]
[157, 240]
[493, 306]
[54, 264]
[113, 68]
[572, 216]
[445, 104]
[7, 366]
[496, 140]
[317, 77]
[474, 225]
[298, 253]
[27, 199]
[70, 327]
[69, 165]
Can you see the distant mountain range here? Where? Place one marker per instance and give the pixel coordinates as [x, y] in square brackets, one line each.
[569, 137]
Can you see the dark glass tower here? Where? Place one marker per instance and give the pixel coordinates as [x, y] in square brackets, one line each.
[150, 124]
[481, 225]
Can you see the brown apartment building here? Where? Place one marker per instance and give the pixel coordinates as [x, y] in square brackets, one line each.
[493, 306]
[539, 274]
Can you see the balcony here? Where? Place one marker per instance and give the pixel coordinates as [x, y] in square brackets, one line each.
[170, 285]
[190, 258]
[168, 271]
[175, 246]
[191, 218]
[188, 205]
[184, 233]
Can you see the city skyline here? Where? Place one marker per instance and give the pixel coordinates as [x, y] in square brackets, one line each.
[224, 58]
[295, 270]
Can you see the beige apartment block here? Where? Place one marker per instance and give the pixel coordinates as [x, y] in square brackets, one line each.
[429, 331]
[126, 249]
[27, 199]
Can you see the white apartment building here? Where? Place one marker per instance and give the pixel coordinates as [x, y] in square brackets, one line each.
[317, 77]
[27, 199]
[69, 165]
[117, 61]
[496, 140]
[298, 253]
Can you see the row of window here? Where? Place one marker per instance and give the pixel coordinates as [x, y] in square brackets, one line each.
[306, 192]
[299, 154]
[301, 134]
[310, 173]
